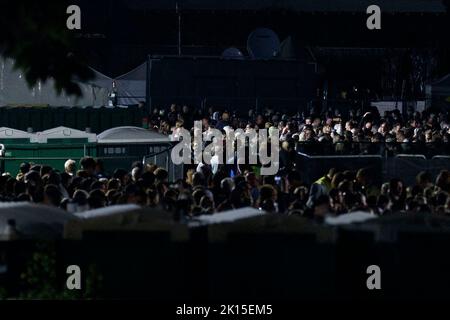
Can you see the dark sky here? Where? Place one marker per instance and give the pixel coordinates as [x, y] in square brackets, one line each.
[117, 35]
[298, 5]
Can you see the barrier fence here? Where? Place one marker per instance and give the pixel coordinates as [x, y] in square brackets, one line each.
[403, 166]
[259, 103]
[385, 149]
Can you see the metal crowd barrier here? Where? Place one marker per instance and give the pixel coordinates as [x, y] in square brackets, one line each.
[403, 166]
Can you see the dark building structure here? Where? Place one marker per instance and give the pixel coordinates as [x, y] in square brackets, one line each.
[118, 35]
[232, 83]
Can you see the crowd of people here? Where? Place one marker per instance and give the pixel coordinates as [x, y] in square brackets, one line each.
[206, 190]
[327, 133]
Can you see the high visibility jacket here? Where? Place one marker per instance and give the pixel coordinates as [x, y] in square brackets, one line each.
[325, 182]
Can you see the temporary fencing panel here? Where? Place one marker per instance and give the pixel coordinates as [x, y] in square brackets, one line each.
[312, 168]
[43, 118]
[405, 167]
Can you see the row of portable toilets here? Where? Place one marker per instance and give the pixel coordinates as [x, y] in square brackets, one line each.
[117, 148]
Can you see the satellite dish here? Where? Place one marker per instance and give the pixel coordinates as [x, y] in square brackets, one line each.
[263, 43]
[232, 53]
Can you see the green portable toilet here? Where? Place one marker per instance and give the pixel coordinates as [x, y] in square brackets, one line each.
[17, 146]
[120, 147]
[59, 144]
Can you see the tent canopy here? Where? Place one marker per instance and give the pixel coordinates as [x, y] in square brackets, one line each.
[130, 87]
[14, 89]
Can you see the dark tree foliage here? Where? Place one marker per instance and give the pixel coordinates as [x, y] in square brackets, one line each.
[34, 34]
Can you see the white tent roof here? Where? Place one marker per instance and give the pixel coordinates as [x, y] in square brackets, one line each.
[14, 90]
[64, 133]
[131, 135]
[131, 86]
[33, 220]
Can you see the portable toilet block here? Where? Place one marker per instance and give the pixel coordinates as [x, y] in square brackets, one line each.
[120, 147]
[59, 144]
[16, 146]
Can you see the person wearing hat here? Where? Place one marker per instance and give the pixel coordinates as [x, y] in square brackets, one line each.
[23, 170]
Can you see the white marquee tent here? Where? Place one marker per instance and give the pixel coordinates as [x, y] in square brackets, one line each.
[14, 89]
